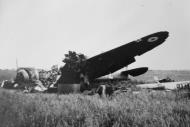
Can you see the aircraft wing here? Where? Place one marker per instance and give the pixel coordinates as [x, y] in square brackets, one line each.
[115, 59]
[167, 85]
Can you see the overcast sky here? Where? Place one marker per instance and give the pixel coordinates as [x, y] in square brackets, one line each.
[39, 32]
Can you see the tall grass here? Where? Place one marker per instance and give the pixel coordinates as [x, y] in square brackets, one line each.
[127, 109]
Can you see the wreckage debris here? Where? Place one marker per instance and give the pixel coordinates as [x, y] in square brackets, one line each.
[7, 84]
[167, 79]
[33, 80]
[104, 90]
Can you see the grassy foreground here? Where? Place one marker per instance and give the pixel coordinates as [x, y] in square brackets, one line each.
[50, 110]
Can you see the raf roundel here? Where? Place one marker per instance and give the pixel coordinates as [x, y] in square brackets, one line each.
[152, 39]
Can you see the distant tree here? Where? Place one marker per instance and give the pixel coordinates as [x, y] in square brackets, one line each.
[74, 60]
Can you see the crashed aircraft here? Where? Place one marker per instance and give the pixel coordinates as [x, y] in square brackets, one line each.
[33, 80]
[72, 81]
[79, 80]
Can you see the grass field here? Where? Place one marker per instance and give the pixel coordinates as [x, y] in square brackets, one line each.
[127, 109]
[147, 108]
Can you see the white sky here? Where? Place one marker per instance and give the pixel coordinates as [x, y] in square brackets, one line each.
[39, 32]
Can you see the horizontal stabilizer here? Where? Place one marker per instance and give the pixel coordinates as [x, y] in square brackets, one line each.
[135, 72]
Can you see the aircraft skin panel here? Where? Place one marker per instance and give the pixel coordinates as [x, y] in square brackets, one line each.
[122, 56]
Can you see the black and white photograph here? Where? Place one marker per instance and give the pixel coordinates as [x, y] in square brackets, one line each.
[94, 63]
